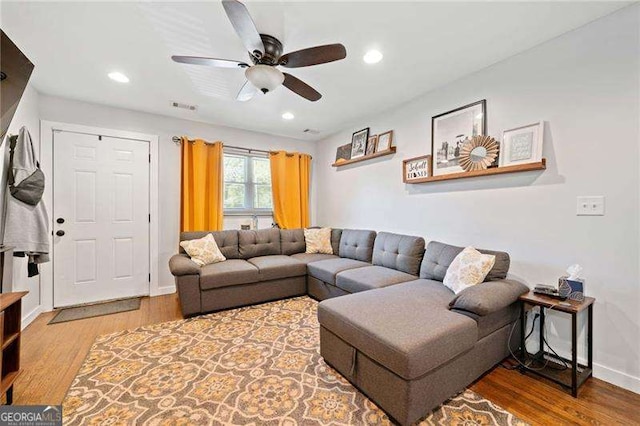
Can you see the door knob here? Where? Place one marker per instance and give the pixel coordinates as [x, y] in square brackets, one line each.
[60, 233]
[60, 220]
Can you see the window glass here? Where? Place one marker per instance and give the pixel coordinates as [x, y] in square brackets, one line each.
[247, 184]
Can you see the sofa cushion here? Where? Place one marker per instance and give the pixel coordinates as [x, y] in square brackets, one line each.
[262, 242]
[438, 295]
[227, 241]
[370, 277]
[396, 328]
[292, 241]
[278, 266]
[229, 272]
[438, 256]
[326, 270]
[401, 252]
[357, 244]
[313, 257]
[488, 297]
[336, 235]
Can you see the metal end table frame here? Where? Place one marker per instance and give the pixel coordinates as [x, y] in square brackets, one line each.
[579, 373]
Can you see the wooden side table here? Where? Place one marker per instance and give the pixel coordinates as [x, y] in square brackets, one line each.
[11, 327]
[579, 373]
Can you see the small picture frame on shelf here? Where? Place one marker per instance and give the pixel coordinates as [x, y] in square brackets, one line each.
[343, 153]
[359, 143]
[371, 144]
[414, 169]
[385, 141]
[522, 145]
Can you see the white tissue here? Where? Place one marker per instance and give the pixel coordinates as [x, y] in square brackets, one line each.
[574, 272]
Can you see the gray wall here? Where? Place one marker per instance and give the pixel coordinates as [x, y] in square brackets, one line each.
[585, 85]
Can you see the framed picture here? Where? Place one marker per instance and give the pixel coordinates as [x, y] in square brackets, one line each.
[450, 130]
[416, 168]
[385, 141]
[359, 143]
[371, 144]
[343, 153]
[522, 145]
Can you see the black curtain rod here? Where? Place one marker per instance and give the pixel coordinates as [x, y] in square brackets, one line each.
[178, 139]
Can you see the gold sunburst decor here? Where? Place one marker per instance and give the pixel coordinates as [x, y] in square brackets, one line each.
[478, 153]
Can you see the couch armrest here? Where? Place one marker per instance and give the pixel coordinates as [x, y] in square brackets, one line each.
[180, 265]
[490, 296]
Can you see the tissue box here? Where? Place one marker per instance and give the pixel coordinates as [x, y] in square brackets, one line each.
[572, 289]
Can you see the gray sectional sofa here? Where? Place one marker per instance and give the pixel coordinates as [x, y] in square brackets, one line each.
[396, 332]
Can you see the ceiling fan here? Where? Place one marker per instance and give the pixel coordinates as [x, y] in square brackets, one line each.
[266, 54]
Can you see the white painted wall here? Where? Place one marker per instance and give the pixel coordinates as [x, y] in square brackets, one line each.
[585, 85]
[26, 115]
[71, 111]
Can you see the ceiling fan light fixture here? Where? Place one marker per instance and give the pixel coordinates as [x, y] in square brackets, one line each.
[264, 77]
[372, 57]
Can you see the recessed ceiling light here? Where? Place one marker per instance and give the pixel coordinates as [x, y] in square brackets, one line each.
[372, 57]
[119, 77]
[288, 116]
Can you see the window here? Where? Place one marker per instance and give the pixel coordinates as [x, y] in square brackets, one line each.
[247, 184]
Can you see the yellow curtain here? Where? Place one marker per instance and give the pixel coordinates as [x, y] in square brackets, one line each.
[201, 205]
[290, 173]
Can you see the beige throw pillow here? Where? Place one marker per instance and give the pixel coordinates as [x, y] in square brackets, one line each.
[203, 251]
[470, 267]
[318, 240]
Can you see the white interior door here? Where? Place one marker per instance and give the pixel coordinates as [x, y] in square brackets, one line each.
[101, 218]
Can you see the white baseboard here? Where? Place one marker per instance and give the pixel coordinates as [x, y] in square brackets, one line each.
[616, 377]
[164, 290]
[28, 318]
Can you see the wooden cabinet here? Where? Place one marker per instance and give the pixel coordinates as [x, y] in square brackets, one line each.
[10, 324]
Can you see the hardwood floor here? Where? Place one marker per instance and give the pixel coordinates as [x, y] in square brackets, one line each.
[52, 354]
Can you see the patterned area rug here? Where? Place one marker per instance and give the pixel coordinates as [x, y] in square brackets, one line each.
[254, 365]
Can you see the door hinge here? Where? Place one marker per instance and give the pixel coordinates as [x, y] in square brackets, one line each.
[149, 277]
[149, 218]
[149, 158]
[99, 137]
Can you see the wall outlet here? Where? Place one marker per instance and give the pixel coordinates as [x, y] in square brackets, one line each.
[590, 206]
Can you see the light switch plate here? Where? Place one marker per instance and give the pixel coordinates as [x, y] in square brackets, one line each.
[590, 206]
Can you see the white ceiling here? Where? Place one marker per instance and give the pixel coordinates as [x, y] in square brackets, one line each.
[425, 45]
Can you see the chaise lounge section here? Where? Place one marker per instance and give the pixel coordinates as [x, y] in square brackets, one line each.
[387, 322]
[411, 346]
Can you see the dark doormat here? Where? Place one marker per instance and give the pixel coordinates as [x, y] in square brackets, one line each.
[96, 310]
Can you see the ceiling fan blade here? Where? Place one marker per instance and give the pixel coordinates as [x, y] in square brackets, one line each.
[247, 91]
[314, 56]
[212, 62]
[244, 26]
[300, 87]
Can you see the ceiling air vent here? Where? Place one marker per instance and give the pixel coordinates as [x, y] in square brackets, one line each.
[312, 131]
[184, 106]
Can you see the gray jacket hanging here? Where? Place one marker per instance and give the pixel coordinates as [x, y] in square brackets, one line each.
[26, 223]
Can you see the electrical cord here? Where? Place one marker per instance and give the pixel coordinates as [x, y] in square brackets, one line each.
[525, 364]
[557, 357]
[528, 364]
